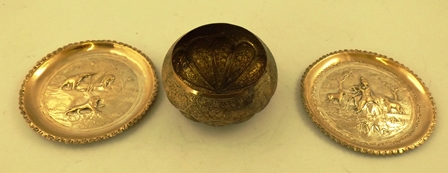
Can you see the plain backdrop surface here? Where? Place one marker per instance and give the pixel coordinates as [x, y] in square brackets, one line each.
[281, 138]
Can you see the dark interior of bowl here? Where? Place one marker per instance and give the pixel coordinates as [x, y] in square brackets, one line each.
[219, 59]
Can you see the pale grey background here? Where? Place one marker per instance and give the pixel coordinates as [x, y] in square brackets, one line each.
[279, 139]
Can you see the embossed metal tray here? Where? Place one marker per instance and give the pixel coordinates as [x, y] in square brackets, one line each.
[368, 102]
[88, 91]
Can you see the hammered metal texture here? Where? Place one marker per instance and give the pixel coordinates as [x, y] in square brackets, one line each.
[219, 74]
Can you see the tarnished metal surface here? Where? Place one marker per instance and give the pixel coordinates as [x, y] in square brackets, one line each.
[219, 74]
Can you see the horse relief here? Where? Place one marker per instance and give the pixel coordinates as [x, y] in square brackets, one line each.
[376, 114]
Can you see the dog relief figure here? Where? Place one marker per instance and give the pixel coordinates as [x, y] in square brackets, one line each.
[92, 104]
[106, 82]
[391, 105]
[74, 81]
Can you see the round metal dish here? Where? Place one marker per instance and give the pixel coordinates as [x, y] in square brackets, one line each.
[88, 91]
[368, 102]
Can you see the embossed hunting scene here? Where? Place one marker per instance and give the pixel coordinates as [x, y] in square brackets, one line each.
[368, 102]
[365, 101]
[88, 91]
[81, 95]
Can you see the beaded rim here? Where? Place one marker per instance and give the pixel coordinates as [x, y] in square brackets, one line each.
[360, 149]
[92, 139]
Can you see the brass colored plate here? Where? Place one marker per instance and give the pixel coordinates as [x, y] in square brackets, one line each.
[368, 102]
[88, 91]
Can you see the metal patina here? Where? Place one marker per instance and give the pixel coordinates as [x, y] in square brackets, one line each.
[219, 74]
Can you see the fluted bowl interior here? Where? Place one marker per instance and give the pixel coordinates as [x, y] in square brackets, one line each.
[219, 59]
